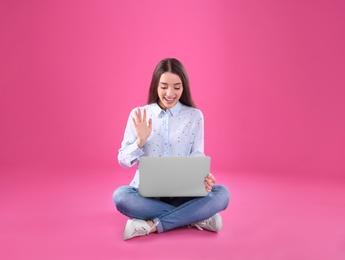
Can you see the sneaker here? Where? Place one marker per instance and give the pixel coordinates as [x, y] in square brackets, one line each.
[136, 227]
[214, 223]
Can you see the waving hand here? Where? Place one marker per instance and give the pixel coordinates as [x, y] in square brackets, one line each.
[142, 128]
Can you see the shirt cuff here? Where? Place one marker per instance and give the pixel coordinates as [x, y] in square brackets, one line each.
[134, 153]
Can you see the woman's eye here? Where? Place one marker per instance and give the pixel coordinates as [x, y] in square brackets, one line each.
[177, 88]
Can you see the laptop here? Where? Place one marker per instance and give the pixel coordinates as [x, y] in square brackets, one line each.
[173, 176]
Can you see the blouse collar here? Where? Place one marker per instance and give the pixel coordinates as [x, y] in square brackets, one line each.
[157, 110]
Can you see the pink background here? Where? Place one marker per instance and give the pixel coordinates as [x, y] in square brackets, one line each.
[268, 76]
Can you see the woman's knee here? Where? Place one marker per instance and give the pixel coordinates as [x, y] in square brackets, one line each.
[223, 195]
[120, 194]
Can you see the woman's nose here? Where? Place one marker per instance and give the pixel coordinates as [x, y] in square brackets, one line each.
[169, 91]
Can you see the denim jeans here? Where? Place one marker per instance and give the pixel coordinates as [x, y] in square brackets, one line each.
[170, 213]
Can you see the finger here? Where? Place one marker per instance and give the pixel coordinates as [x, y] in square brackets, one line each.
[139, 115]
[208, 185]
[136, 116]
[209, 180]
[134, 121]
[212, 178]
[144, 115]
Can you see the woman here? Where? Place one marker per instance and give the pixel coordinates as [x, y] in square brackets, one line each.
[169, 125]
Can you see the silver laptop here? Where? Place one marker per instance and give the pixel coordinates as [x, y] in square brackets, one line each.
[173, 176]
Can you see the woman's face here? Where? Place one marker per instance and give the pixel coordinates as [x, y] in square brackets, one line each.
[169, 90]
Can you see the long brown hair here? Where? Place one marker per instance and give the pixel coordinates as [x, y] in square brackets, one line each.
[174, 66]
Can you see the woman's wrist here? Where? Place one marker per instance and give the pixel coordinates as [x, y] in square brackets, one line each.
[140, 143]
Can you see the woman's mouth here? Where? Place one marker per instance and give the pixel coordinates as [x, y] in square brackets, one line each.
[169, 100]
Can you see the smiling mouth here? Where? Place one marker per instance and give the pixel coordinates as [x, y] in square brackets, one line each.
[169, 100]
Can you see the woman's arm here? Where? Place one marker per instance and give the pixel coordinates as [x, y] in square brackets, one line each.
[198, 142]
[136, 134]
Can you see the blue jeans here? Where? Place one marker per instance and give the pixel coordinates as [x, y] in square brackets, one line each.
[170, 213]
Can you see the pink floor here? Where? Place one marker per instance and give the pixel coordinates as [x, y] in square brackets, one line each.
[67, 213]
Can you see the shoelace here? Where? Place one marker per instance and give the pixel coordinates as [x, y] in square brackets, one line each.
[198, 227]
[201, 223]
[139, 231]
[142, 231]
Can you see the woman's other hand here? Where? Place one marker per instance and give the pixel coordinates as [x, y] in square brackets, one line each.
[210, 180]
[143, 129]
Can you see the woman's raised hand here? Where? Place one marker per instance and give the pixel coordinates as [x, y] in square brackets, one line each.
[142, 128]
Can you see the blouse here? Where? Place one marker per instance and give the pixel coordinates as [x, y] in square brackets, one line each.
[178, 131]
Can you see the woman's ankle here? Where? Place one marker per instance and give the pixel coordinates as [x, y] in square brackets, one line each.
[151, 224]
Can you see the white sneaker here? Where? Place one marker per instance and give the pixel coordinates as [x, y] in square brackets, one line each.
[137, 227]
[213, 223]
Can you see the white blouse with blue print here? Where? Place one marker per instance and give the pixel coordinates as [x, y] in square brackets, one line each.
[178, 131]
